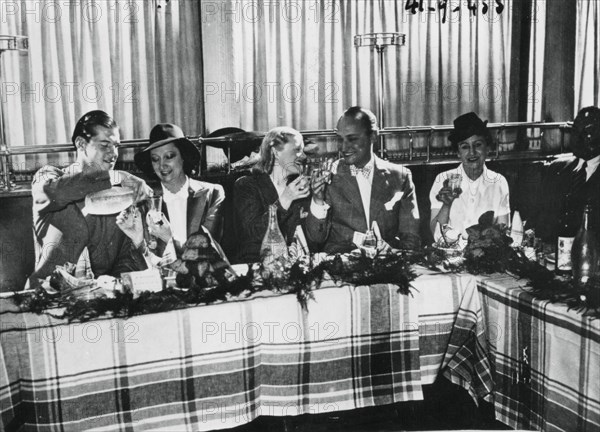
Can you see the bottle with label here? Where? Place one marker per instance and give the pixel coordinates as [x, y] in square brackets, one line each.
[567, 229]
[585, 252]
[273, 249]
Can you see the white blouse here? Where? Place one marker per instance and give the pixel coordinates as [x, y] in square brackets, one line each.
[177, 207]
[488, 192]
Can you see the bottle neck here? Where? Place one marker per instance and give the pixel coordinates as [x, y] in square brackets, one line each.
[273, 214]
[585, 218]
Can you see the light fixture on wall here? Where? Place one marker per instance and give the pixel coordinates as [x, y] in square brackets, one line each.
[380, 41]
[7, 43]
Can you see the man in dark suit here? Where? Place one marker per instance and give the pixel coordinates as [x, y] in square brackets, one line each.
[577, 176]
[363, 189]
[62, 228]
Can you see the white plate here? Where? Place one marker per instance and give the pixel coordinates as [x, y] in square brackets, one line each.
[108, 201]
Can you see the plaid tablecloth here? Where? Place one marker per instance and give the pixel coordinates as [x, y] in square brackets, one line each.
[219, 366]
[546, 360]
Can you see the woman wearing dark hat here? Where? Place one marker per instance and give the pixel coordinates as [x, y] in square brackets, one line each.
[187, 203]
[460, 196]
[276, 180]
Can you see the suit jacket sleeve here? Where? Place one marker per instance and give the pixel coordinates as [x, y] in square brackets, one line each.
[53, 190]
[214, 214]
[408, 216]
[317, 230]
[129, 258]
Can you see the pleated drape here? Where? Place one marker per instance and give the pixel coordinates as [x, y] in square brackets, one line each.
[138, 60]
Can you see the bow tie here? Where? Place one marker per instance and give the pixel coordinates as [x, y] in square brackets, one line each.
[364, 171]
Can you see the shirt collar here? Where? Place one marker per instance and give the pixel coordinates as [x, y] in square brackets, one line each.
[180, 194]
[369, 165]
[461, 171]
[592, 164]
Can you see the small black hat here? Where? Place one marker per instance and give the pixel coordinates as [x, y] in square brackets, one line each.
[466, 126]
[165, 133]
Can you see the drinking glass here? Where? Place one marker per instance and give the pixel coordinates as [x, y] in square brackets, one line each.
[370, 243]
[155, 216]
[325, 167]
[454, 181]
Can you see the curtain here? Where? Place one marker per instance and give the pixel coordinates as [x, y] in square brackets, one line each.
[587, 55]
[294, 63]
[536, 62]
[140, 61]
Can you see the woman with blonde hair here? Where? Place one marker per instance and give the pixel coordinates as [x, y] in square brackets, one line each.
[276, 179]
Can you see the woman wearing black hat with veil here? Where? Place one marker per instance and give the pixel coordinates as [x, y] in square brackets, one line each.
[461, 195]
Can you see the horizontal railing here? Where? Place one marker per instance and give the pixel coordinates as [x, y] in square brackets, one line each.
[412, 154]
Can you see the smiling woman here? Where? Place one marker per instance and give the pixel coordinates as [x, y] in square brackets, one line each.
[187, 203]
[459, 196]
[278, 181]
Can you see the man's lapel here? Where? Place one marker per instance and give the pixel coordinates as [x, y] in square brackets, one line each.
[595, 178]
[348, 188]
[378, 190]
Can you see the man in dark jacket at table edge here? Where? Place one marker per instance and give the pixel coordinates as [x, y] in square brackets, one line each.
[559, 179]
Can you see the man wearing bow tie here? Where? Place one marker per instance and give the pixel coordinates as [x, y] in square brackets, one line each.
[363, 189]
[577, 176]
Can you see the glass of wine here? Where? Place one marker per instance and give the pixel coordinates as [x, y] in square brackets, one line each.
[154, 216]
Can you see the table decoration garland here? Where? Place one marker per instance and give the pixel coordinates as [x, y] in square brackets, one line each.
[488, 251]
[301, 278]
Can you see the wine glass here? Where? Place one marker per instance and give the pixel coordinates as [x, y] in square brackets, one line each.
[155, 216]
[325, 167]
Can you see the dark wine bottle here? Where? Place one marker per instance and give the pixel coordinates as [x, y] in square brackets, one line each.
[584, 255]
[567, 229]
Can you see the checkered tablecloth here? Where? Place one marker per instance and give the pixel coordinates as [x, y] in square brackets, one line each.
[220, 366]
[546, 360]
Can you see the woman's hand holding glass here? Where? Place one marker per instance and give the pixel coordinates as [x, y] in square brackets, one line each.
[449, 191]
[158, 226]
[297, 189]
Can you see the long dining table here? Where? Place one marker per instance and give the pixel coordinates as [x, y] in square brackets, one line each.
[219, 366]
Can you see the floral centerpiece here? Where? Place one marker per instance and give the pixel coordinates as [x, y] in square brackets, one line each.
[488, 248]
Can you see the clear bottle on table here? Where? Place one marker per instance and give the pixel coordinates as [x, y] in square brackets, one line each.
[567, 229]
[273, 248]
[585, 251]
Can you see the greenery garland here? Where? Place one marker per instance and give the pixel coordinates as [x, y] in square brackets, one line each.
[299, 279]
[488, 251]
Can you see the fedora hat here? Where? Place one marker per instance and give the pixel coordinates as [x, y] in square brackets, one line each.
[466, 126]
[165, 133]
